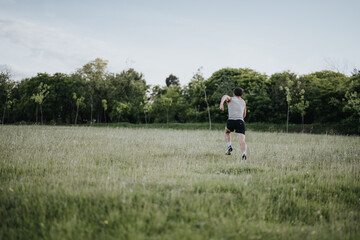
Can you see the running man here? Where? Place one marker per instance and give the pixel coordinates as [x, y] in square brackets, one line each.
[237, 113]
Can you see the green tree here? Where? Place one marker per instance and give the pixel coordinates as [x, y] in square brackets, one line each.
[198, 83]
[288, 93]
[353, 103]
[128, 87]
[352, 97]
[172, 80]
[79, 103]
[40, 96]
[120, 110]
[94, 72]
[282, 88]
[105, 106]
[59, 105]
[166, 102]
[301, 107]
[325, 91]
[146, 107]
[147, 110]
[6, 87]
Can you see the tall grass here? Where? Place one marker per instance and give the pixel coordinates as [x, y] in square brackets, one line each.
[122, 183]
[317, 128]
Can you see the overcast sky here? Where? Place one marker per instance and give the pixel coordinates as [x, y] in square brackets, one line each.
[159, 38]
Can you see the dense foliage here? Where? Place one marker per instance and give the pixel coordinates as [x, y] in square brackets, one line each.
[92, 94]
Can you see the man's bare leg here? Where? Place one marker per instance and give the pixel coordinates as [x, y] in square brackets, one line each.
[242, 145]
[228, 141]
[227, 135]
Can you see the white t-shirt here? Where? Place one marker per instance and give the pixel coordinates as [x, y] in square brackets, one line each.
[236, 108]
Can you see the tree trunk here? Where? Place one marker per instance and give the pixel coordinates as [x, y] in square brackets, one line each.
[3, 118]
[302, 121]
[287, 118]
[145, 119]
[98, 117]
[196, 114]
[91, 114]
[36, 113]
[77, 113]
[208, 109]
[167, 118]
[41, 113]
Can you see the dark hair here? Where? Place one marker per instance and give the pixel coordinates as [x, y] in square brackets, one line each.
[238, 92]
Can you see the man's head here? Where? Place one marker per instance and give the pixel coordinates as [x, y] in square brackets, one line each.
[238, 92]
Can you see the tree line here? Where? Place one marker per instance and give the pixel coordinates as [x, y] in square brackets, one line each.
[93, 95]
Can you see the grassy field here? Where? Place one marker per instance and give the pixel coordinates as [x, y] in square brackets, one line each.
[122, 183]
[317, 128]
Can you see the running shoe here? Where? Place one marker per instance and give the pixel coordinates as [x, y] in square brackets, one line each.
[243, 158]
[229, 150]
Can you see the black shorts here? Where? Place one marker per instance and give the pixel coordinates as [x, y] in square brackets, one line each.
[237, 125]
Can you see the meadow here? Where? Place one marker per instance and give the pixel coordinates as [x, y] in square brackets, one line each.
[126, 183]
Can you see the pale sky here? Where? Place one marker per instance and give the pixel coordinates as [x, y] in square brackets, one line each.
[158, 38]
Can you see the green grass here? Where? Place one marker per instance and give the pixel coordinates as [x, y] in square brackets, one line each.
[135, 183]
[342, 128]
[317, 128]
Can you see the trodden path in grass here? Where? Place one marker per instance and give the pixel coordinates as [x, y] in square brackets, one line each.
[120, 183]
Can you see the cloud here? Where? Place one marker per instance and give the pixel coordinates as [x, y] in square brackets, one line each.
[47, 48]
[49, 40]
[7, 1]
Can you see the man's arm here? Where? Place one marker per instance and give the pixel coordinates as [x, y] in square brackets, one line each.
[244, 112]
[223, 99]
